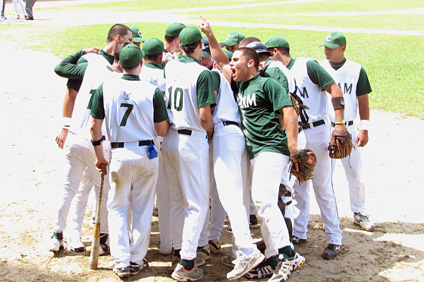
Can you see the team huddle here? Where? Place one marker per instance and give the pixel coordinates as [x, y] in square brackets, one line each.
[207, 133]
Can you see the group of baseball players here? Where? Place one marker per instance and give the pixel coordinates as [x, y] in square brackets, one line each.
[204, 134]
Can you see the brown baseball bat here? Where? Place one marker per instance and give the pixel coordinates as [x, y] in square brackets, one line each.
[95, 244]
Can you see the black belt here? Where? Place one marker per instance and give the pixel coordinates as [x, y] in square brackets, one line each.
[187, 132]
[115, 145]
[184, 131]
[227, 122]
[315, 124]
[348, 123]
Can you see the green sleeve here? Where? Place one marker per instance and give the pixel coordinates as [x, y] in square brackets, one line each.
[216, 81]
[276, 94]
[72, 67]
[97, 108]
[364, 86]
[205, 95]
[278, 75]
[318, 74]
[159, 107]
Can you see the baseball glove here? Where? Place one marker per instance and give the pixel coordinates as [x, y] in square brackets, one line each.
[305, 160]
[340, 145]
[297, 103]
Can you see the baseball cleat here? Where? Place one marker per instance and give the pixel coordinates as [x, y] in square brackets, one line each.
[297, 261]
[298, 241]
[75, 244]
[363, 221]
[331, 251]
[56, 242]
[181, 274]
[122, 272]
[284, 270]
[204, 252]
[243, 264]
[135, 268]
[214, 246]
[264, 269]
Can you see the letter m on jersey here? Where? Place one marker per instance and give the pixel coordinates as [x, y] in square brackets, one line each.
[247, 101]
[304, 93]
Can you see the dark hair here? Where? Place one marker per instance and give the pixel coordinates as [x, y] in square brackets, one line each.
[189, 49]
[117, 29]
[250, 54]
[248, 40]
[284, 50]
[169, 38]
[152, 57]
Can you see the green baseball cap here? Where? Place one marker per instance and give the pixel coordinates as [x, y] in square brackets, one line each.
[131, 55]
[153, 46]
[334, 39]
[277, 42]
[137, 38]
[233, 38]
[206, 52]
[174, 29]
[190, 35]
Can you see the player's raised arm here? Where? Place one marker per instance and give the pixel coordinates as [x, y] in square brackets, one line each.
[217, 53]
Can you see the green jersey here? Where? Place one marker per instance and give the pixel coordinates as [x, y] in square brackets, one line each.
[260, 100]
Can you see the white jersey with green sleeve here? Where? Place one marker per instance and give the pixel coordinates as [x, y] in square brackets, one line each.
[311, 94]
[286, 71]
[188, 88]
[130, 107]
[347, 78]
[226, 108]
[98, 69]
[153, 74]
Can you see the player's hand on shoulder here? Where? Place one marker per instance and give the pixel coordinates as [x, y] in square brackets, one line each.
[61, 138]
[362, 138]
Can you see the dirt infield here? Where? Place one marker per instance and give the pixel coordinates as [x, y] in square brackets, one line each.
[30, 172]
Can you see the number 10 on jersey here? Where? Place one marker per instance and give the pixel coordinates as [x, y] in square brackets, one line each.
[175, 99]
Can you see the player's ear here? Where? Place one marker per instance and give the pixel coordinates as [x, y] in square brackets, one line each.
[118, 38]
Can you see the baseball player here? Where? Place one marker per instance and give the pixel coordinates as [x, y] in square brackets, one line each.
[78, 152]
[276, 69]
[312, 80]
[152, 72]
[232, 41]
[172, 42]
[136, 35]
[134, 112]
[264, 106]
[353, 81]
[185, 149]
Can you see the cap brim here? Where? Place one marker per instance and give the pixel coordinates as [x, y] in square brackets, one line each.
[330, 45]
[138, 40]
[229, 43]
[266, 52]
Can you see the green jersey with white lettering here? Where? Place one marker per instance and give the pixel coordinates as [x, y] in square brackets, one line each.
[259, 100]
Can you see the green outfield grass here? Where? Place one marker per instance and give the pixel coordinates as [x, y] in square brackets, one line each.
[394, 63]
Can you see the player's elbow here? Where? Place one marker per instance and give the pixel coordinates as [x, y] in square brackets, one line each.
[162, 128]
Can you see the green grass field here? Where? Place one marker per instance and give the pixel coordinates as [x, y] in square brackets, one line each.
[394, 63]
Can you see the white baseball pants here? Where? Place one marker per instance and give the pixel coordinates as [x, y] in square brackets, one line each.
[267, 170]
[186, 160]
[80, 158]
[133, 178]
[230, 163]
[353, 170]
[317, 140]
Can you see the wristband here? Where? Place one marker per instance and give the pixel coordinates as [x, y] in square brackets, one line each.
[66, 122]
[340, 122]
[365, 125]
[97, 143]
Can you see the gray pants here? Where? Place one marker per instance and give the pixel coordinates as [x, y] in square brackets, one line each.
[28, 7]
